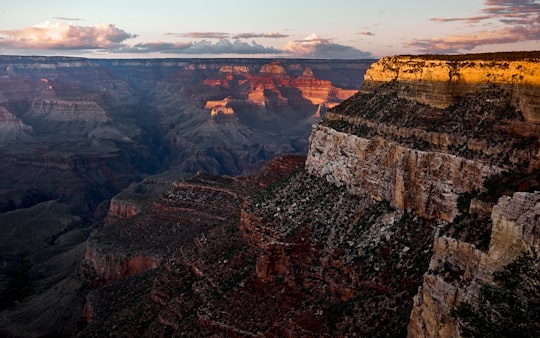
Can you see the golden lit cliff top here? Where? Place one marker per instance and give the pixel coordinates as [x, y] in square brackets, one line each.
[499, 68]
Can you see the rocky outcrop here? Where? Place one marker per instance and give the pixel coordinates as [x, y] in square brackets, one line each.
[122, 208]
[427, 182]
[458, 270]
[292, 260]
[11, 127]
[101, 268]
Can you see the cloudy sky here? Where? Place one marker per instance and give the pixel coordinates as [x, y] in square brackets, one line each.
[277, 28]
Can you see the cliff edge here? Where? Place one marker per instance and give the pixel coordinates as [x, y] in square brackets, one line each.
[455, 139]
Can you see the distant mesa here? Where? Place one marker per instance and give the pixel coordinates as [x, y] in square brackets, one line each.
[273, 68]
[234, 69]
[11, 127]
[218, 103]
[220, 108]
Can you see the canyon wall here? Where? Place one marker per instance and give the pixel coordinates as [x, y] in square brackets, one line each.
[428, 182]
[78, 131]
[410, 136]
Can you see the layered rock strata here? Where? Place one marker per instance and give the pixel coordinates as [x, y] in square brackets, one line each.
[424, 133]
[439, 82]
[458, 270]
[430, 151]
[428, 182]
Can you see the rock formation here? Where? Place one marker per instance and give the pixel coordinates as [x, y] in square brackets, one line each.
[458, 270]
[11, 127]
[441, 81]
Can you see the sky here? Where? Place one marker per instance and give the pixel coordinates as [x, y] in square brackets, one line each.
[343, 29]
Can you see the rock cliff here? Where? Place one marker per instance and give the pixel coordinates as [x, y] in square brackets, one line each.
[440, 81]
[433, 151]
[458, 270]
[427, 134]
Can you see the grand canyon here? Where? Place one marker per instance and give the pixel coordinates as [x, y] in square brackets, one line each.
[271, 198]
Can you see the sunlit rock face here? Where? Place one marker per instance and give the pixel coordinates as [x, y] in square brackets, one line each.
[439, 82]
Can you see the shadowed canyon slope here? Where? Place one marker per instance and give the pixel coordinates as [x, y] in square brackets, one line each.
[413, 213]
[130, 118]
[75, 132]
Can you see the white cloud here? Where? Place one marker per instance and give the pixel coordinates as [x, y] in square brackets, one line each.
[315, 47]
[62, 36]
[223, 46]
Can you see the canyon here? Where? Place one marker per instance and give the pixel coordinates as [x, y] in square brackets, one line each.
[76, 132]
[412, 213]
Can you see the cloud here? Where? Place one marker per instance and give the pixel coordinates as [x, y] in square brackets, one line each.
[64, 36]
[458, 42]
[520, 20]
[366, 33]
[260, 35]
[223, 46]
[315, 47]
[67, 19]
[503, 7]
[202, 35]
[471, 19]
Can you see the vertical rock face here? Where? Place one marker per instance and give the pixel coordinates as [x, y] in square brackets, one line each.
[458, 270]
[441, 81]
[426, 181]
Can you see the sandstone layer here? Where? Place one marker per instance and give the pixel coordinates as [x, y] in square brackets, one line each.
[440, 81]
